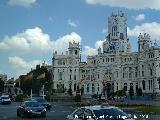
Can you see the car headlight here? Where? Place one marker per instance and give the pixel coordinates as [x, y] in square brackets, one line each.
[44, 110]
[29, 110]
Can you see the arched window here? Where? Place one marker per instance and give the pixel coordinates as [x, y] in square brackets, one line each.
[143, 85]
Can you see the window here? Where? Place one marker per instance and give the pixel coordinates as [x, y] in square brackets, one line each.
[75, 52]
[136, 74]
[131, 85]
[151, 72]
[98, 75]
[136, 86]
[75, 86]
[159, 84]
[60, 76]
[74, 77]
[98, 88]
[87, 87]
[125, 86]
[117, 74]
[142, 73]
[93, 89]
[121, 36]
[143, 85]
[149, 84]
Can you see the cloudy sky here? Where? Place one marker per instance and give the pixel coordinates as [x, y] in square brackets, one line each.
[32, 29]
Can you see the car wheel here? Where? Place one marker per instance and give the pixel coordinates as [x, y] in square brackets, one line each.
[18, 114]
[21, 115]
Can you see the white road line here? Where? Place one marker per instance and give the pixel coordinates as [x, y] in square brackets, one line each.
[66, 111]
[52, 111]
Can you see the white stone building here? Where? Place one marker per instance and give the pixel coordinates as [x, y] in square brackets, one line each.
[114, 68]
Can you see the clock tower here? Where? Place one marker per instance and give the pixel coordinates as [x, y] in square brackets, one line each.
[116, 40]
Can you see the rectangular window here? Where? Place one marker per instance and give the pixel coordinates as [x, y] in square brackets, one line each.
[74, 77]
[136, 86]
[60, 76]
[93, 89]
[87, 87]
[136, 74]
[142, 73]
[125, 86]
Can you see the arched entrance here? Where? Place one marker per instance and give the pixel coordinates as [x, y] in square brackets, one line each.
[107, 86]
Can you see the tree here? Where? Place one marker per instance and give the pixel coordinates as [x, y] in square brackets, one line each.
[70, 91]
[139, 92]
[131, 92]
[1, 85]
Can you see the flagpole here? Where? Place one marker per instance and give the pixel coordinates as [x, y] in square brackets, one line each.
[31, 93]
[43, 91]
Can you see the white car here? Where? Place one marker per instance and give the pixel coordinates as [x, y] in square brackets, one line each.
[99, 112]
[5, 99]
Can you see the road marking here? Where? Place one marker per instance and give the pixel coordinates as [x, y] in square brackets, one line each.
[52, 111]
[66, 111]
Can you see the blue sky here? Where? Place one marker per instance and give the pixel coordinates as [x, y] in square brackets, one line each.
[32, 29]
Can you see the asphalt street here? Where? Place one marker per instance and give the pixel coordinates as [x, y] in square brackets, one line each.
[59, 111]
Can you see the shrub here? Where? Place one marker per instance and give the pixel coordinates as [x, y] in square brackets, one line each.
[139, 92]
[78, 98]
[20, 97]
[95, 96]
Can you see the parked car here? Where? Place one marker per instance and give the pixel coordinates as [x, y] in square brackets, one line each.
[44, 103]
[31, 108]
[5, 99]
[99, 112]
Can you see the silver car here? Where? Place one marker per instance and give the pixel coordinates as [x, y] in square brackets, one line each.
[99, 112]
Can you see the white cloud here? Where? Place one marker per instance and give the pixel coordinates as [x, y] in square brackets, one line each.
[61, 44]
[153, 29]
[89, 51]
[72, 23]
[140, 17]
[21, 66]
[36, 41]
[31, 40]
[131, 4]
[23, 3]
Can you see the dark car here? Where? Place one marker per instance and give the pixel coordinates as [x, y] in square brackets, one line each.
[31, 108]
[44, 103]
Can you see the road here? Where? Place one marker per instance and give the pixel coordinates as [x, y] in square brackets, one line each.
[59, 112]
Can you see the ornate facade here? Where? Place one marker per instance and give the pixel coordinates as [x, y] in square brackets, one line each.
[113, 68]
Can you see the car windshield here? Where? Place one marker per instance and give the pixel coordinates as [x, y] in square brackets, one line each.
[4, 97]
[32, 104]
[109, 114]
[41, 100]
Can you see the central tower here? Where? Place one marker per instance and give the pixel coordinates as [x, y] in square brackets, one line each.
[117, 40]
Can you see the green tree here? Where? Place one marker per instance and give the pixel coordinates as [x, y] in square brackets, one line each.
[1, 85]
[139, 92]
[70, 91]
